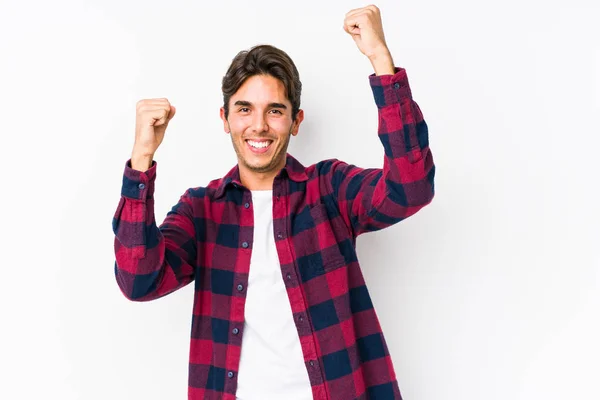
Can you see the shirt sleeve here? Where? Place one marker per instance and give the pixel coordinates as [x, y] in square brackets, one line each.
[375, 198]
[151, 261]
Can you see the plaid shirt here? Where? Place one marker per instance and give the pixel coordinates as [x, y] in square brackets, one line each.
[318, 212]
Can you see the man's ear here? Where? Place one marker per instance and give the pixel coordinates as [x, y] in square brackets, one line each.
[225, 123]
[297, 122]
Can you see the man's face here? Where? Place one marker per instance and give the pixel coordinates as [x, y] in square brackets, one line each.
[260, 124]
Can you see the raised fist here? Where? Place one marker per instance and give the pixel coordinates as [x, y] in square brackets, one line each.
[365, 27]
[151, 121]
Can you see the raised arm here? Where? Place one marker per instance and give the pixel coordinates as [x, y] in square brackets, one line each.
[151, 261]
[372, 199]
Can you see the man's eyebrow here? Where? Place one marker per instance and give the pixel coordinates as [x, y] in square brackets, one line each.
[248, 104]
[277, 105]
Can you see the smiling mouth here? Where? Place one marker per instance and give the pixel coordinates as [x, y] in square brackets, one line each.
[259, 146]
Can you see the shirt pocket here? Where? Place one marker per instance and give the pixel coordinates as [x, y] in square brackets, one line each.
[318, 241]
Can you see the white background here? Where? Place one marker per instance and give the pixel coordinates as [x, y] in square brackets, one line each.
[491, 292]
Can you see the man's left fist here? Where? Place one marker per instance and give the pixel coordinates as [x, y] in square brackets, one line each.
[364, 25]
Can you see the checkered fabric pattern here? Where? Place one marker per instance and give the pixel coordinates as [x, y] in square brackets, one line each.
[318, 212]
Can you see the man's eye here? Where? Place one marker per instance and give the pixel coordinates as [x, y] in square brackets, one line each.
[277, 111]
[244, 109]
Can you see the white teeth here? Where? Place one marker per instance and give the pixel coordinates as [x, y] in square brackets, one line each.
[258, 145]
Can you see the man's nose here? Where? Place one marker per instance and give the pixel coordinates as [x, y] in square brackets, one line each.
[259, 124]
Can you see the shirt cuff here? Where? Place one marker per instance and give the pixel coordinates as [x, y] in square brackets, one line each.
[138, 185]
[390, 89]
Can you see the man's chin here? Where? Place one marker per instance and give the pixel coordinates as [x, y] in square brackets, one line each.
[261, 166]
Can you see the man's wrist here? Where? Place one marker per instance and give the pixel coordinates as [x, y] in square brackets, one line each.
[141, 162]
[382, 62]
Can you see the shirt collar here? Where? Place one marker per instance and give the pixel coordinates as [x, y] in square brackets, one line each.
[293, 168]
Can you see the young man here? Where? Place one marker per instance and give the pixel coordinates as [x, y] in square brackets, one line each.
[281, 310]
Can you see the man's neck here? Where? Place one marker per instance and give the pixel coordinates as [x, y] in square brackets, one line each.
[256, 180]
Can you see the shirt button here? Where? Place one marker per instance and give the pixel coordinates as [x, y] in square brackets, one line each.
[142, 186]
[230, 374]
[289, 276]
[245, 245]
[301, 318]
[240, 287]
[311, 362]
[236, 331]
[279, 235]
[247, 205]
[396, 85]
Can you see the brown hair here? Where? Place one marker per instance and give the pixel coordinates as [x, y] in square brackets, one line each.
[262, 60]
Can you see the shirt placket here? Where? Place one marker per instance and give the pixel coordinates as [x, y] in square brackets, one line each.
[238, 299]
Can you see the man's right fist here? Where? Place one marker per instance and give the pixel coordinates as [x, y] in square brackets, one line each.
[151, 121]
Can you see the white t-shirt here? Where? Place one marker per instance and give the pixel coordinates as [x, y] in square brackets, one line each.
[271, 362]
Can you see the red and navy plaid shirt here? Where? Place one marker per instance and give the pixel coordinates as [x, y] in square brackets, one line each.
[318, 212]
